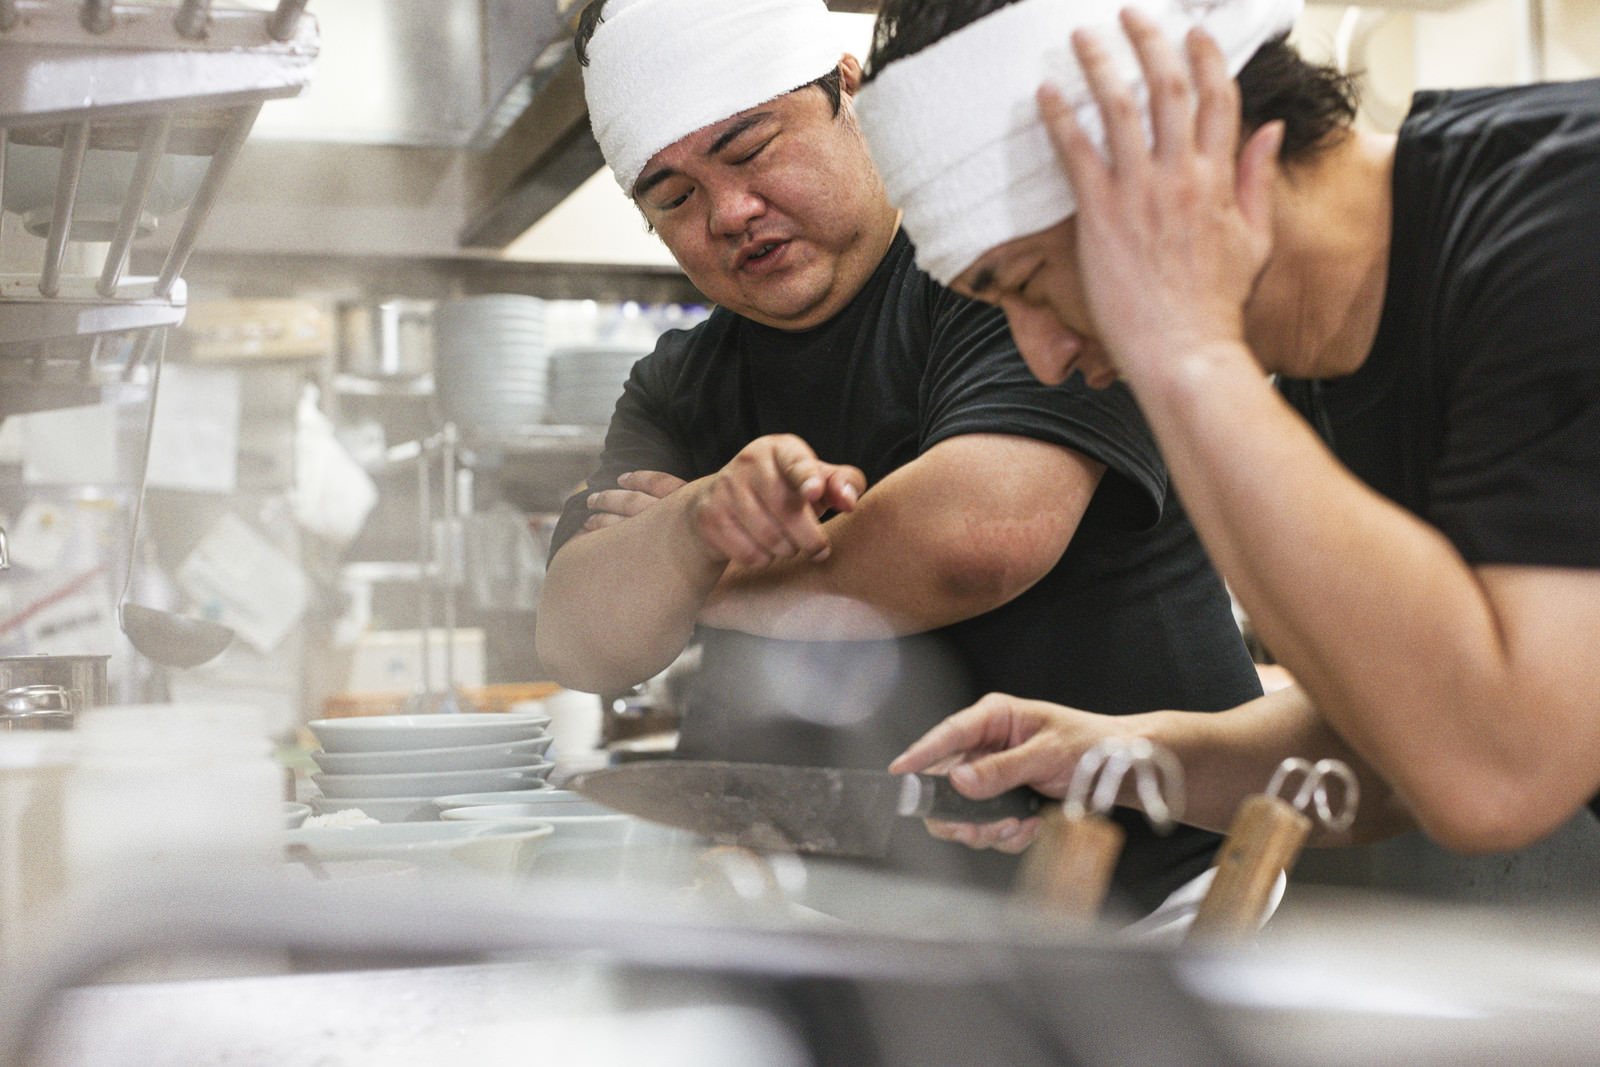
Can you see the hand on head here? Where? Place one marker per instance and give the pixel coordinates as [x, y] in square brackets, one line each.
[997, 744]
[1174, 228]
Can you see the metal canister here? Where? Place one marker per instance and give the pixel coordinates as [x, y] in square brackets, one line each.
[46, 692]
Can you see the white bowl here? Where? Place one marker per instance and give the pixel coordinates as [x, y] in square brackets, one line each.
[386, 733]
[457, 758]
[485, 846]
[294, 813]
[431, 783]
[384, 809]
[103, 185]
[555, 801]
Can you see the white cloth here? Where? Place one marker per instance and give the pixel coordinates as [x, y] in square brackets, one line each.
[955, 129]
[661, 69]
[1169, 924]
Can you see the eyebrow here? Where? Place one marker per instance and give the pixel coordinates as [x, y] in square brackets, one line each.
[731, 134]
[982, 280]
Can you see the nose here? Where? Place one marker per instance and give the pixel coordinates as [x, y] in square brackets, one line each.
[733, 206]
[1047, 346]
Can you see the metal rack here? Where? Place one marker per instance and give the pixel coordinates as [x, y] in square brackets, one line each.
[141, 86]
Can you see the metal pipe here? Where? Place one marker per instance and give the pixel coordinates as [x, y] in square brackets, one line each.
[5, 143]
[281, 25]
[205, 197]
[447, 555]
[151, 147]
[96, 15]
[425, 581]
[192, 18]
[72, 150]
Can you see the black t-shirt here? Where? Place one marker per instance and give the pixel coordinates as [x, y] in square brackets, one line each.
[1131, 619]
[1478, 408]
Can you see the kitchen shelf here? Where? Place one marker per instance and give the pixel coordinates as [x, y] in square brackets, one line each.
[103, 97]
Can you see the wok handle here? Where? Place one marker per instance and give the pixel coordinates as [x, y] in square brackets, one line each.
[938, 799]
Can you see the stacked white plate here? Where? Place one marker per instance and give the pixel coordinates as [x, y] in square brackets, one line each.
[491, 368]
[391, 767]
[585, 381]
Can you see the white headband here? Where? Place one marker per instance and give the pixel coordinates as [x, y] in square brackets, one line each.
[661, 69]
[955, 129]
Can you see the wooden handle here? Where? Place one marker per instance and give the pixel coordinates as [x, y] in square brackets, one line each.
[1067, 869]
[1263, 841]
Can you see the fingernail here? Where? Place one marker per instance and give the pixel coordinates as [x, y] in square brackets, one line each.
[591, 499]
[962, 774]
[850, 493]
[811, 485]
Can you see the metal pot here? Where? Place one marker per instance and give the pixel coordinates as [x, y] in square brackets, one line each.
[43, 692]
[390, 339]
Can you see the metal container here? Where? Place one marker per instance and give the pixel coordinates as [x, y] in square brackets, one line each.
[388, 339]
[44, 692]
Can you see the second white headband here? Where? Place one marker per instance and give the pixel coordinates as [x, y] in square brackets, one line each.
[955, 128]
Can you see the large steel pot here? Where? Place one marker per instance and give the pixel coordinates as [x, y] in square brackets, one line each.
[44, 692]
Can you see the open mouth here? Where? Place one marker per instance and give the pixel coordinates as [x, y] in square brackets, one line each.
[762, 254]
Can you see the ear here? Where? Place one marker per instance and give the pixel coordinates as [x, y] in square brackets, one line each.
[1258, 171]
[849, 74]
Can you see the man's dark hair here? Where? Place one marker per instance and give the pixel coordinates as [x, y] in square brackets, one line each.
[591, 16]
[1316, 102]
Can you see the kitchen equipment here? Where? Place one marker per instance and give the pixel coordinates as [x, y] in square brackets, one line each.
[106, 123]
[166, 637]
[458, 758]
[1068, 867]
[585, 382]
[388, 733]
[387, 339]
[383, 809]
[45, 692]
[827, 810]
[431, 783]
[491, 371]
[1263, 842]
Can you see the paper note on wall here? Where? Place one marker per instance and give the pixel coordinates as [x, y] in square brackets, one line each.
[240, 579]
[194, 443]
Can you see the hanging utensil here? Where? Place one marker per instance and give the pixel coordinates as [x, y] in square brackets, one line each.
[1067, 869]
[1263, 842]
[166, 637]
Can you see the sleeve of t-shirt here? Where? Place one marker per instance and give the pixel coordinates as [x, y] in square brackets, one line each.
[1518, 478]
[637, 438]
[978, 383]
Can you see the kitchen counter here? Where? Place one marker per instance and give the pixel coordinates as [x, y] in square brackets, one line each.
[386, 971]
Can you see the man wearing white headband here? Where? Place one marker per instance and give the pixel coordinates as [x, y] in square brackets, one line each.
[1422, 549]
[845, 485]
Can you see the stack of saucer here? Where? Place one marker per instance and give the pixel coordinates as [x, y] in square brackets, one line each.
[391, 767]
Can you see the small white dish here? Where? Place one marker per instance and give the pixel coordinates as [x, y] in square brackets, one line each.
[384, 733]
[384, 809]
[294, 813]
[456, 758]
[431, 783]
[486, 846]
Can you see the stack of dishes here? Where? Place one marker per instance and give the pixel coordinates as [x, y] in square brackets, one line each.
[491, 371]
[392, 767]
[585, 381]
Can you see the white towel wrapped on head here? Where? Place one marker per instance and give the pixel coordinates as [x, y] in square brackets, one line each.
[955, 130]
[661, 69]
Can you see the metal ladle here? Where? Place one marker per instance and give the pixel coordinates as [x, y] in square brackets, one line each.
[166, 637]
